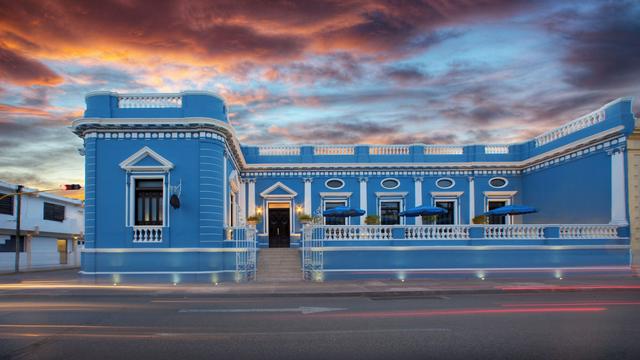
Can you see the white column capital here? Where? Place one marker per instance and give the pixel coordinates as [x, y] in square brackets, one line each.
[307, 180]
[418, 178]
[363, 179]
[616, 151]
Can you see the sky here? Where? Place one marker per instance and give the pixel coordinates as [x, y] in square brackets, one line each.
[313, 72]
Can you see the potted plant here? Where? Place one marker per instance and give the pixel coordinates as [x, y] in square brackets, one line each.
[254, 220]
[305, 218]
[372, 220]
[480, 219]
[429, 219]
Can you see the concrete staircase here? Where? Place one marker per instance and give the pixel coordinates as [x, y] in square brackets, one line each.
[279, 265]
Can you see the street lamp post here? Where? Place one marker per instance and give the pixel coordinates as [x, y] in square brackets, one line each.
[18, 218]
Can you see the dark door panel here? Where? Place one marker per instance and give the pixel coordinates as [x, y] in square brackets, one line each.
[279, 228]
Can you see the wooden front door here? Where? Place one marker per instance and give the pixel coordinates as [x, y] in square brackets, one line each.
[279, 228]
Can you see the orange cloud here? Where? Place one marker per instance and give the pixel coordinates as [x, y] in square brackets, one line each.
[21, 70]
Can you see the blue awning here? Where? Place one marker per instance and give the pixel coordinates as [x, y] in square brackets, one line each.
[343, 211]
[511, 210]
[424, 211]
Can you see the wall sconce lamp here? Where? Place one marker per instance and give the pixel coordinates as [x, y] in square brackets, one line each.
[298, 209]
[259, 210]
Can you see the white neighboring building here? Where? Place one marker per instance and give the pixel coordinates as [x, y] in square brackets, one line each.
[52, 230]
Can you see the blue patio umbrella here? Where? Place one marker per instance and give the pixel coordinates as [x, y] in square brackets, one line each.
[343, 211]
[511, 210]
[424, 211]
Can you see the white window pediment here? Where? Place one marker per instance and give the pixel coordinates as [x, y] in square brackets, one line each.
[146, 159]
[278, 190]
[451, 194]
[335, 194]
[395, 194]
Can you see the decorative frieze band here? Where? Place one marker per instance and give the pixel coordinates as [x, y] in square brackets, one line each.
[576, 154]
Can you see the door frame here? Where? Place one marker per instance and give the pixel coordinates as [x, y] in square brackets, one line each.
[288, 208]
[289, 202]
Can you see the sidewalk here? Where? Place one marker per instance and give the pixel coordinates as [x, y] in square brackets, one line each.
[69, 281]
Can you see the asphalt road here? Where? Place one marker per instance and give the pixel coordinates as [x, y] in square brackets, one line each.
[122, 325]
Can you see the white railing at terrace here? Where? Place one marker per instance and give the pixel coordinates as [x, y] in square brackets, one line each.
[435, 232]
[312, 261]
[333, 150]
[496, 149]
[350, 232]
[388, 149]
[149, 101]
[588, 231]
[443, 150]
[245, 245]
[147, 234]
[279, 150]
[575, 125]
[514, 231]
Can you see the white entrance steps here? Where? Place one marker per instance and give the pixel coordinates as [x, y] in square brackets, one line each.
[279, 265]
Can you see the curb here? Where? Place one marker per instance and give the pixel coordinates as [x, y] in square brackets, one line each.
[376, 294]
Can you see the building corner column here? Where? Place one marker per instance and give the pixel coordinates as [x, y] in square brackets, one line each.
[472, 199]
[618, 188]
[633, 181]
[242, 201]
[363, 197]
[417, 183]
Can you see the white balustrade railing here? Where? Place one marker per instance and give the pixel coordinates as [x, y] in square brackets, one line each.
[443, 150]
[496, 149]
[571, 127]
[333, 150]
[514, 231]
[586, 231]
[147, 234]
[388, 149]
[279, 150]
[149, 101]
[351, 232]
[435, 232]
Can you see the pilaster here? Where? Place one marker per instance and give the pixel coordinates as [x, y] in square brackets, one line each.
[307, 195]
[633, 176]
[252, 197]
[417, 182]
[363, 196]
[618, 188]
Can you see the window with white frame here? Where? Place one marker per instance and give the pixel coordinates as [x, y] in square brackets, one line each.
[53, 212]
[148, 201]
[448, 218]
[390, 212]
[334, 220]
[6, 204]
[494, 204]
[497, 199]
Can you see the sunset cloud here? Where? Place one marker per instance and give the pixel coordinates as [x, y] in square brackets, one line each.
[334, 71]
[21, 70]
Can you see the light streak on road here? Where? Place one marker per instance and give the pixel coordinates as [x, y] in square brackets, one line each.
[457, 312]
[582, 303]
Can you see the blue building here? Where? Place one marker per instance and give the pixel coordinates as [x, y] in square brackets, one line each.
[169, 189]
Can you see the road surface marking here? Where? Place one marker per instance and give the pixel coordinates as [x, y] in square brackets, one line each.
[301, 309]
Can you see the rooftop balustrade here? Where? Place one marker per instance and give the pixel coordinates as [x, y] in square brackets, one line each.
[571, 127]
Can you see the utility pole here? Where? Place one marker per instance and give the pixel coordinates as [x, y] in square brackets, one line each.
[18, 213]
